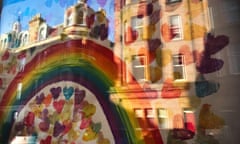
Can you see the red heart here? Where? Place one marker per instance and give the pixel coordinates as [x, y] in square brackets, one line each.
[44, 125]
[90, 20]
[68, 126]
[29, 119]
[46, 141]
[58, 105]
[130, 35]
[85, 123]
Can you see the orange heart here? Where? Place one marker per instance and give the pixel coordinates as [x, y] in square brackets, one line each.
[47, 100]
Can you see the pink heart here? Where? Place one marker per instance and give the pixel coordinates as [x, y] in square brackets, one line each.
[44, 125]
[102, 2]
[85, 123]
[58, 105]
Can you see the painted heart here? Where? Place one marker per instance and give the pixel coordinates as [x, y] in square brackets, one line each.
[39, 99]
[144, 10]
[19, 126]
[6, 55]
[58, 105]
[155, 17]
[44, 125]
[96, 127]
[29, 119]
[89, 134]
[130, 35]
[85, 123]
[47, 140]
[188, 55]
[183, 134]
[90, 20]
[89, 110]
[103, 32]
[44, 114]
[68, 126]
[68, 92]
[206, 88]
[47, 100]
[101, 139]
[102, 2]
[55, 92]
[214, 44]
[79, 96]
[58, 129]
[169, 90]
[209, 65]
[22, 55]
[53, 117]
[48, 3]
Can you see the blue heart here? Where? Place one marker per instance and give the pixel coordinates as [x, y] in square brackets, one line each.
[68, 92]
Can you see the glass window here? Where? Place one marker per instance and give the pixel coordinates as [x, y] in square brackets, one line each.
[137, 25]
[176, 27]
[163, 118]
[139, 67]
[178, 67]
[189, 120]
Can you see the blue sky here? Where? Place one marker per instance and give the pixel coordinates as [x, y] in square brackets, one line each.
[51, 10]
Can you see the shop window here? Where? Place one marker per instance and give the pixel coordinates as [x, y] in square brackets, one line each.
[178, 67]
[137, 25]
[139, 67]
[150, 115]
[176, 27]
[140, 116]
[163, 118]
[189, 120]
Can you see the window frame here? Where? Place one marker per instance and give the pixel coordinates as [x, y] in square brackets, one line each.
[163, 119]
[181, 64]
[178, 28]
[140, 66]
[137, 27]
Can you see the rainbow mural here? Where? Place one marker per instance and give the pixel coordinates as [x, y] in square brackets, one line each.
[65, 72]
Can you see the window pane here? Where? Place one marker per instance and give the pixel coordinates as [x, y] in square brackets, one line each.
[138, 67]
[176, 27]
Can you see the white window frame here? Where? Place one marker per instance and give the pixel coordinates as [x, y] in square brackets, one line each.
[179, 65]
[163, 118]
[175, 22]
[136, 67]
[137, 24]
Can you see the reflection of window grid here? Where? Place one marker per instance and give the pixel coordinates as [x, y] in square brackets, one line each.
[172, 1]
[163, 118]
[178, 67]
[137, 25]
[139, 113]
[150, 113]
[139, 67]
[234, 58]
[176, 27]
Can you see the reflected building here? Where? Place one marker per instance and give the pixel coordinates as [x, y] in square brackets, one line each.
[155, 85]
[167, 52]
